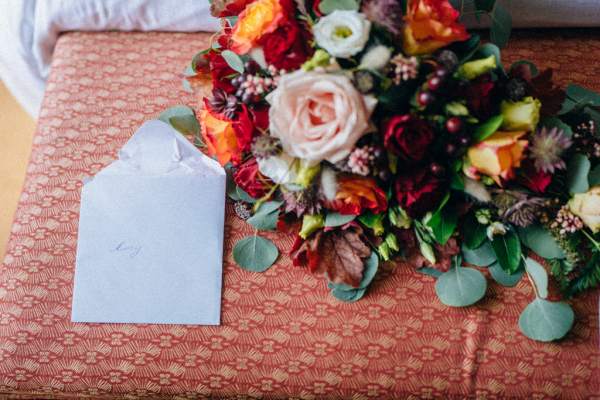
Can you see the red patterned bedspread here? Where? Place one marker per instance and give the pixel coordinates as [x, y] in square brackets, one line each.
[282, 334]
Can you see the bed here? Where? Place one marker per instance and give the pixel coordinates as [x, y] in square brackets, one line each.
[282, 334]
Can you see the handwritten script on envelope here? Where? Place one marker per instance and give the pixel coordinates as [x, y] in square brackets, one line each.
[150, 243]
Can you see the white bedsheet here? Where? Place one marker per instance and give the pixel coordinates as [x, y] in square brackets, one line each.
[29, 28]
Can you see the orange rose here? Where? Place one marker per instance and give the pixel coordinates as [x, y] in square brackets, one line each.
[258, 18]
[356, 193]
[429, 25]
[497, 156]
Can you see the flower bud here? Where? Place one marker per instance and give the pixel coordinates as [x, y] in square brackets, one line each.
[521, 115]
[306, 173]
[427, 251]
[495, 229]
[319, 59]
[473, 69]
[310, 224]
[384, 251]
[392, 242]
[375, 58]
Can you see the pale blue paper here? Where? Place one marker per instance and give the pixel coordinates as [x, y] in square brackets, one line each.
[150, 242]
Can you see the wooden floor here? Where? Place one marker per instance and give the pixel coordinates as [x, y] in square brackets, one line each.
[16, 132]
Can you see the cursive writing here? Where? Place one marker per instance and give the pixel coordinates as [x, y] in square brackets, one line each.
[131, 249]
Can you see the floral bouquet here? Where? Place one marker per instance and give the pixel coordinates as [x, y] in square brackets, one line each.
[381, 129]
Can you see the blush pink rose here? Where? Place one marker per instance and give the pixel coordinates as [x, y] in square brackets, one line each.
[318, 116]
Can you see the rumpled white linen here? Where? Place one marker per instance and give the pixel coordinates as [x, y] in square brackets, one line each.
[29, 30]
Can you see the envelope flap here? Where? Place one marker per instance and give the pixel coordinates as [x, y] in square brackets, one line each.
[157, 149]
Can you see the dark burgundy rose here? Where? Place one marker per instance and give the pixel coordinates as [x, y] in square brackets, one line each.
[250, 179]
[418, 191]
[478, 94]
[408, 136]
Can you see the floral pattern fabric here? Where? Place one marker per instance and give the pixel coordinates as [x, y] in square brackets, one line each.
[282, 334]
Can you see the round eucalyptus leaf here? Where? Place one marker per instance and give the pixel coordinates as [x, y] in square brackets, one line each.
[482, 256]
[175, 111]
[334, 219]
[460, 287]
[545, 321]
[539, 275]
[539, 239]
[233, 60]
[255, 253]
[503, 277]
[348, 296]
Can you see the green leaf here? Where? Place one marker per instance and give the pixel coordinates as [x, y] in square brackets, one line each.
[488, 128]
[578, 169]
[545, 321]
[594, 176]
[539, 276]
[255, 253]
[186, 124]
[532, 68]
[466, 49]
[484, 5]
[176, 111]
[507, 248]
[583, 96]
[373, 221]
[541, 241]
[230, 186]
[233, 60]
[436, 273]
[482, 256]
[243, 196]
[460, 287]
[555, 122]
[334, 219]
[503, 277]
[488, 49]
[329, 6]
[501, 25]
[443, 222]
[265, 218]
[473, 232]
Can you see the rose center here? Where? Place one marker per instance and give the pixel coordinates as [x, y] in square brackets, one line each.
[321, 112]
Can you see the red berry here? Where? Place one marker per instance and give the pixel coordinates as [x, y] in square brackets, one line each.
[425, 99]
[454, 125]
[434, 83]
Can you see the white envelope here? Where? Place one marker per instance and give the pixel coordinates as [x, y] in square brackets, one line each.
[150, 242]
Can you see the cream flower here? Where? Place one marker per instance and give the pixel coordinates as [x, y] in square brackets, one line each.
[342, 33]
[318, 116]
[587, 207]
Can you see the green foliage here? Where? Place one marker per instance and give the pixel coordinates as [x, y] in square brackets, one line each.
[541, 241]
[555, 122]
[594, 176]
[474, 233]
[183, 119]
[578, 169]
[503, 277]
[334, 219]
[579, 97]
[539, 276]
[532, 68]
[265, 218]
[255, 253]
[460, 286]
[234, 61]
[501, 25]
[329, 6]
[507, 248]
[436, 273]
[588, 276]
[483, 256]
[488, 128]
[443, 221]
[545, 321]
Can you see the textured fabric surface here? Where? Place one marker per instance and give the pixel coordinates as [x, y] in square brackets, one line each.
[282, 334]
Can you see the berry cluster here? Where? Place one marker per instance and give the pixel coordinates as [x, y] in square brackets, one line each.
[254, 83]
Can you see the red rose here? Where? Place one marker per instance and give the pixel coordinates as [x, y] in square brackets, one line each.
[243, 126]
[287, 47]
[534, 180]
[408, 136]
[478, 95]
[418, 192]
[250, 179]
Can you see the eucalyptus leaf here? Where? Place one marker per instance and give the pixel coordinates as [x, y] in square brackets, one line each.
[488, 128]
[483, 256]
[265, 218]
[541, 241]
[176, 111]
[334, 219]
[583, 96]
[348, 293]
[555, 122]
[460, 287]
[539, 276]
[545, 321]
[233, 60]
[503, 277]
[243, 196]
[488, 49]
[186, 124]
[436, 273]
[348, 296]
[594, 176]
[255, 253]
[578, 169]
[501, 25]
[329, 6]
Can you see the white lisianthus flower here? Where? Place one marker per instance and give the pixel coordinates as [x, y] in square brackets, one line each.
[342, 33]
[376, 58]
[280, 169]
